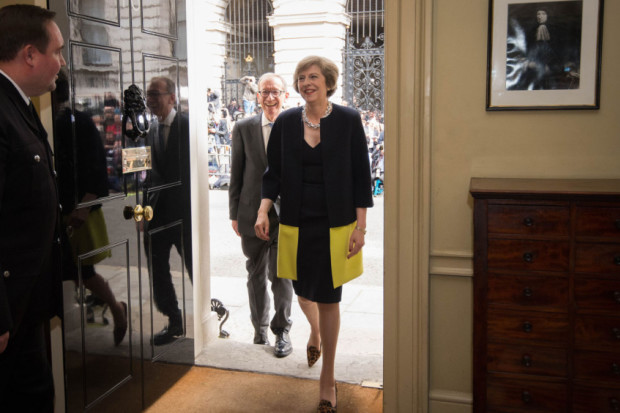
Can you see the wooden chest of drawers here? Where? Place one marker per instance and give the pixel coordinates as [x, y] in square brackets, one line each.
[546, 295]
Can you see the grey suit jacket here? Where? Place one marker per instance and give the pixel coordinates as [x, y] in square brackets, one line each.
[248, 164]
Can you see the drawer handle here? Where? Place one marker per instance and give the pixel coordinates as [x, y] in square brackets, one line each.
[616, 333]
[614, 404]
[526, 396]
[526, 360]
[527, 327]
[617, 296]
[615, 369]
[529, 257]
[617, 259]
[528, 222]
[527, 292]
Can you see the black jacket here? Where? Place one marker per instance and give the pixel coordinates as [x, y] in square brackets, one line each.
[80, 159]
[173, 201]
[346, 166]
[28, 214]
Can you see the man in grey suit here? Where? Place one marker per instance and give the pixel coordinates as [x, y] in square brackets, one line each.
[249, 161]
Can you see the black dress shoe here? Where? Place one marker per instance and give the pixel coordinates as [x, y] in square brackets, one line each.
[283, 345]
[261, 339]
[168, 334]
[120, 328]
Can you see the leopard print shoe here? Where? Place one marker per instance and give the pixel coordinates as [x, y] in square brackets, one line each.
[313, 354]
[325, 406]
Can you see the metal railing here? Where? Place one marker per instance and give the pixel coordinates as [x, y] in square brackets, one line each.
[364, 56]
[249, 44]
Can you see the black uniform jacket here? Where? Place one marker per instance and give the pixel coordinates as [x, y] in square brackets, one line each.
[28, 214]
[173, 202]
[346, 167]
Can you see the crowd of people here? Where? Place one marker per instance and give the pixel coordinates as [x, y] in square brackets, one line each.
[223, 119]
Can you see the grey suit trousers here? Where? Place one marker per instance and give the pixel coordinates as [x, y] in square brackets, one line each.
[261, 266]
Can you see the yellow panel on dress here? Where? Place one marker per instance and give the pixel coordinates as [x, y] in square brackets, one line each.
[343, 269]
[288, 238]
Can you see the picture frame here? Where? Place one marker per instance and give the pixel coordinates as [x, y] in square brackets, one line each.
[544, 55]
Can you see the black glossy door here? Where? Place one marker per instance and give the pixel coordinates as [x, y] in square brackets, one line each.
[110, 45]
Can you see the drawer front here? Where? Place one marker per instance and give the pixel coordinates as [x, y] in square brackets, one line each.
[598, 222]
[528, 220]
[590, 400]
[527, 360]
[507, 395]
[597, 333]
[528, 255]
[528, 291]
[600, 296]
[597, 258]
[528, 327]
[600, 366]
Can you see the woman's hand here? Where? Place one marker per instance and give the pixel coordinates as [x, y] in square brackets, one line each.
[262, 226]
[262, 220]
[356, 242]
[78, 217]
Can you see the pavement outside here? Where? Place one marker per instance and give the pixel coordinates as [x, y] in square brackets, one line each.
[359, 357]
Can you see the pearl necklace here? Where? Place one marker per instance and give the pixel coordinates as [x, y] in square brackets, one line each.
[316, 125]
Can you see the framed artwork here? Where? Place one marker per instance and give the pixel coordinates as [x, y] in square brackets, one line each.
[544, 54]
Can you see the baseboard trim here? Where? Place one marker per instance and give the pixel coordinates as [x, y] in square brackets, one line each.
[450, 396]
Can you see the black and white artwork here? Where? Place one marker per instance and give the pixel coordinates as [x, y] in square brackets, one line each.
[544, 54]
[543, 49]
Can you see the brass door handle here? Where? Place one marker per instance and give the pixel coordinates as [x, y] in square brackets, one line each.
[138, 213]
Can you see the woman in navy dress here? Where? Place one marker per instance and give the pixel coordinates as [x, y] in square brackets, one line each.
[318, 166]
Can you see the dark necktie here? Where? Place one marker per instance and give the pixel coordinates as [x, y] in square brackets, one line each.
[37, 121]
[161, 144]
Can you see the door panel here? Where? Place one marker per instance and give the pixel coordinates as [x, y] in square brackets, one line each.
[111, 45]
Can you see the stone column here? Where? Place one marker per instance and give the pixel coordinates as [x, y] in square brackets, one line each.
[206, 52]
[211, 38]
[308, 27]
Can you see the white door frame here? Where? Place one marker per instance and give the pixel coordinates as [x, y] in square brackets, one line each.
[408, 28]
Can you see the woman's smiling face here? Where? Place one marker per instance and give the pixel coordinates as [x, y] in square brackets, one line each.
[311, 84]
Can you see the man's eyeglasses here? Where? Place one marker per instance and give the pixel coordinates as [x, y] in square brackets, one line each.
[155, 93]
[274, 93]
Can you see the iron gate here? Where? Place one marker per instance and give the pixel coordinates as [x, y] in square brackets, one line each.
[249, 45]
[364, 56]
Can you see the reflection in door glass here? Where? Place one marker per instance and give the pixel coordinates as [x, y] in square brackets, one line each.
[96, 314]
[168, 193]
[106, 10]
[97, 95]
[159, 16]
